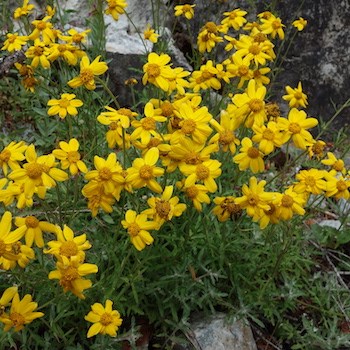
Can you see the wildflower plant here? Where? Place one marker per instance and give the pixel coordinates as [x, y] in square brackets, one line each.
[174, 198]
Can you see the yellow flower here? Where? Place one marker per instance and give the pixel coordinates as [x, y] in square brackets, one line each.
[21, 313]
[23, 254]
[164, 208]
[205, 78]
[335, 163]
[259, 76]
[157, 71]
[66, 105]
[296, 126]
[208, 38]
[254, 198]
[11, 155]
[249, 157]
[50, 11]
[295, 96]
[43, 30]
[116, 8]
[70, 273]
[70, 157]
[138, 227]
[300, 23]
[8, 237]
[234, 19]
[337, 186]
[6, 298]
[310, 181]
[88, 71]
[184, 10]
[122, 115]
[143, 171]
[38, 52]
[105, 320]
[251, 104]
[239, 67]
[196, 193]
[75, 36]
[24, 10]
[150, 34]
[66, 51]
[14, 42]
[317, 149]
[97, 198]
[273, 26]
[34, 229]
[67, 244]
[226, 208]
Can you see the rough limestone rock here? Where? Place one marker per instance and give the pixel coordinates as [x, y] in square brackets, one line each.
[215, 332]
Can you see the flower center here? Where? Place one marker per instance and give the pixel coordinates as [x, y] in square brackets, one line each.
[68, 275]
[113, 126]
[186, 8]
[86, 75]
[167, 109]
[259, 38]
[16, 247]
[73, 156]
[163, 208]
[192, 192]
[64, 103]
[253, 200]
[256, 105]
[207, 75]
[38, 51]
[17, 319]
[153, 143]
[341, 186]
[41, 25]
[105, 174]
[202, 172]
[188, 126]
[133, 229]
[272, 209]
[34, 170]
[287, 201]
[62, 47]
[310, 181]
[294, 128]
[243, 70]
[211, 27]
[146, 172]
[12, 38]
[276, 25]
[268, 134]
[68, 249]
[77, 38]
[192, 158]
[106, 319]
[153, 70]
[148, 123]
[226, 137]
[254, 49]
[298, 95]
[31, 222]
[230, 206]
[5, 155]
[2, 247]
[338, 165]
[253, 152]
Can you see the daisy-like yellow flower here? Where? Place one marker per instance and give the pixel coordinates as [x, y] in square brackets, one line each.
[310, 181]
[24, 10]
[34, 229]
[144, 171]
[316, 150]
[164, 208]
[251, 105]
[105, 320]
[75, 37]
[226, 208]
[337, 186]
[249, 157]
[234, 19]
[67, 244]
[196, 193]
[150, 34]
[21, 313]
[259, 75]
[295, 96]
[97, 198]
[267, 216]
[65, 105]
[185, 10]
[208, 37]
[43, 30]
[205, 172]
[66, 51]
[254, 199]
[272, 26]
[70, 157]
[70, 273]
[138, 227]
[88, 71]
[334, 162]
[23, 255]
[146, 127]
[157, 71]
[38, 52]
[11, 155]
[122, 115]
[288, 203]
[14, 42]
[205, 78]
[295, 127]
[239, 67]
[300, 23]
[6, 298]
[8, 237]
[116, 8]
[268, 137]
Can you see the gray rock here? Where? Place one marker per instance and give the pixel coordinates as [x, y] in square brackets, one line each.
[330, 223]
[217, 333]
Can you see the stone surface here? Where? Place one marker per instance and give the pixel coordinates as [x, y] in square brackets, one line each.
[217, 333]
[330, 223]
